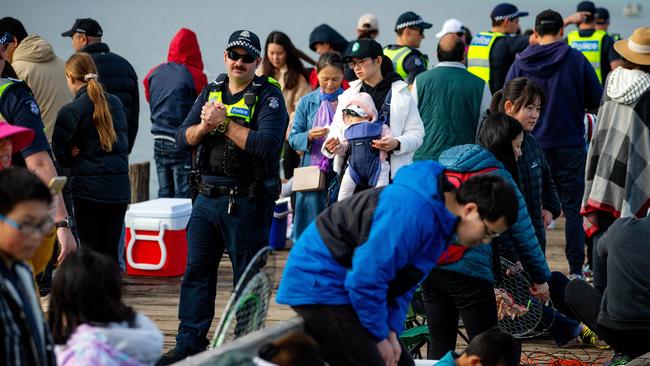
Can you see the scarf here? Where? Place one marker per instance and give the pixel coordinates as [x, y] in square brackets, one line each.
[323, 118]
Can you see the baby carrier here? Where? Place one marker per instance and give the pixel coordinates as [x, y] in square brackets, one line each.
[364, 161]
[364, 164]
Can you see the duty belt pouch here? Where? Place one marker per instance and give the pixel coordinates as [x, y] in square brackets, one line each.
[308, 179]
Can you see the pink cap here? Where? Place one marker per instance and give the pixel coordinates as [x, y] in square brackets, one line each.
[20, 137]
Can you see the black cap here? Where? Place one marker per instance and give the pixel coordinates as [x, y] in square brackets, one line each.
[601, 15]
[247, 40]
[410, 19]
[362, 48]
[549, 19]
[587, 6]
[87, 26]
[505, 11]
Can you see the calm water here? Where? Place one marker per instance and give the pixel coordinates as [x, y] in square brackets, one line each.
[141, 30]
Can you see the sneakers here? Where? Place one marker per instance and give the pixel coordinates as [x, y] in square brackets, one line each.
[590, 338]
[618, 359]
[172, 356]
[587, 273]
[575, 276]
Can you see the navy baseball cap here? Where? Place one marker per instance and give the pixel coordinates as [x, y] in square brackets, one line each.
[247, 40]
[601, 15]
[587, 6]
[87, 26]
[5, 38]
[410, 19]
[362, 48]
[505, 11]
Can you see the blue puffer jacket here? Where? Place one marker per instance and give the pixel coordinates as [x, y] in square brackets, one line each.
[371, 250]
[477, 261]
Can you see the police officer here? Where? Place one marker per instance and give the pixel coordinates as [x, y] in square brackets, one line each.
[237, 126]
[491, 53]
[408, 61]
[18, 107]
[595, 44]
[602, 23]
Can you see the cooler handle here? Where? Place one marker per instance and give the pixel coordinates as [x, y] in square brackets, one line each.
[157, 238]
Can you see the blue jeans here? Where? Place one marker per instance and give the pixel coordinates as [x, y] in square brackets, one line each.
[211, 230]
[173, 166]
[568, 169]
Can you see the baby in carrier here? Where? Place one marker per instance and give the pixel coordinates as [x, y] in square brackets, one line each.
[367, 166]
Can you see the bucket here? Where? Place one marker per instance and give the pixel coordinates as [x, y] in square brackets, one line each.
[278, 234]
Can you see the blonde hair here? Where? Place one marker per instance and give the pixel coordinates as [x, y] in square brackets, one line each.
[81, 67]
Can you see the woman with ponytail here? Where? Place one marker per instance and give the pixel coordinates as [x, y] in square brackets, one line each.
[90, 137]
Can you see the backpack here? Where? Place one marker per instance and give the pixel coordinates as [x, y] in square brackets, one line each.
[455, 252]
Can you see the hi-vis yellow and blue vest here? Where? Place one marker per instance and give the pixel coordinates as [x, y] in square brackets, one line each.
[397, 56]
[4, 85]
[478, 54]
[591, 47]
[243, 109]
[217, 154]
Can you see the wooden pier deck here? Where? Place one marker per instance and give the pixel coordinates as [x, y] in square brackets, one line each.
[158, 298]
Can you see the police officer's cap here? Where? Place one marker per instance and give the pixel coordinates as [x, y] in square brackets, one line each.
[411, 20]
[361, 49]
[587, 6]
[87, 26]
[247, 40]
[5, 38]
[601, 15]
[505, 11]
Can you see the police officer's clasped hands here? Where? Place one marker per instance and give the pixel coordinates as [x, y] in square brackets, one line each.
[212, 115]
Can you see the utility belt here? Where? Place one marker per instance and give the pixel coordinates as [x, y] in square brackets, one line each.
[218, 191]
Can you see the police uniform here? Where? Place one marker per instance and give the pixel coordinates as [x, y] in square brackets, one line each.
[19, 108]
[408, 62]
[238, 188]
[598, 47]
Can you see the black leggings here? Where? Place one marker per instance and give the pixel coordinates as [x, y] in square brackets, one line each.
[99, 225]
[447, 294]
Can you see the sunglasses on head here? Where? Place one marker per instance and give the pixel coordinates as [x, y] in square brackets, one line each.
[246, 58]
[352, 112]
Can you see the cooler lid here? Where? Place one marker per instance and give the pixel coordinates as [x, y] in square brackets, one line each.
[161, 208]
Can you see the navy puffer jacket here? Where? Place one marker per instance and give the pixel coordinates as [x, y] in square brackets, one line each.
[119, 78]
[97, 175]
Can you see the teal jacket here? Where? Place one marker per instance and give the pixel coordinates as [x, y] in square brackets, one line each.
[477, 261]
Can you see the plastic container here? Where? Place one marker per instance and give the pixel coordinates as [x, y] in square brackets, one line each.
[278, 234]
[156, 237]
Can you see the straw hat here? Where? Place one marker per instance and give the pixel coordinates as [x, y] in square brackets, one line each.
[20, 137]
[637, 48]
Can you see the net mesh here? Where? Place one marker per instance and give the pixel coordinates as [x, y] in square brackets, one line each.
[519, 312]
[249, 303]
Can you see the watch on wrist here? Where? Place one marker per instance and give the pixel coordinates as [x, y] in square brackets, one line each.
[223, 126]
[67, 222]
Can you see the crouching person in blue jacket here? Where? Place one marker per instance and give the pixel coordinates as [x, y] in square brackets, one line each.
[352, 273]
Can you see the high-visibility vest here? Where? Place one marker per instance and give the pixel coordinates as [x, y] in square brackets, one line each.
[4, 85]
[478, 54]
[239, 110]
[397, 56]
[591, 47]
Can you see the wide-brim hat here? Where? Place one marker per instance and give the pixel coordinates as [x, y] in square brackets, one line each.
[20, 137]
[636, 49]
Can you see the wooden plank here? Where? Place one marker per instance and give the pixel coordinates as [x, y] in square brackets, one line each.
[158, 298]
[139, 178]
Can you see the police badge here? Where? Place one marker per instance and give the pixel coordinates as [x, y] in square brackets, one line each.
[274, 103]
[33, 107]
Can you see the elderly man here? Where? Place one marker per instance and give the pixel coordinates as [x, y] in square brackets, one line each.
[450, 99]
[238, 124]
